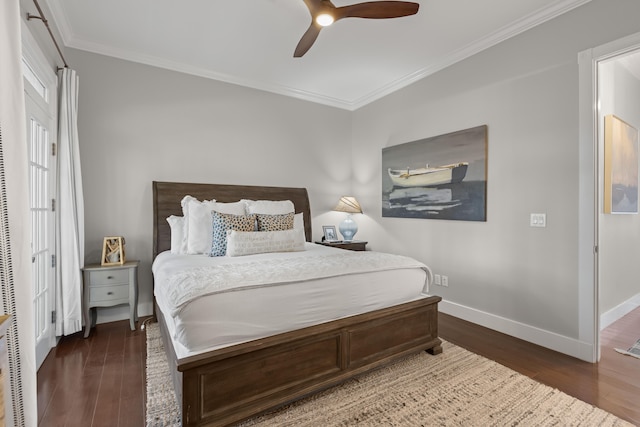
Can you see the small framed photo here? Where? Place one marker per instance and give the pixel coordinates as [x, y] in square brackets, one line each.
[330, 234]
[113, 251]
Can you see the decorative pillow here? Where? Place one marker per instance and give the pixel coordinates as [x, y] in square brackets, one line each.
[275, 222]
[269, 207]
[199, 238]
[177, 232]
[223, 222]
[247, 243]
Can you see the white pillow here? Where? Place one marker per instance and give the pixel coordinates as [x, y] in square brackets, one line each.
[269, 207]
[177, 233]
[201, 223]
[185, 214]
[241, 243]
[298, 221]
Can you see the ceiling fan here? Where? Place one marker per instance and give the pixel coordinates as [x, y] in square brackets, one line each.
[324, 13]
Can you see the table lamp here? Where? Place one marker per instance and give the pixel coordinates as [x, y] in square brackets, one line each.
[348, 228]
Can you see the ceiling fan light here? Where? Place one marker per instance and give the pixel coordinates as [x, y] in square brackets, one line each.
[324, 19]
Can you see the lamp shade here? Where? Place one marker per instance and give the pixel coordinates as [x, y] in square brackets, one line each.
[348, 228]
[348, 204]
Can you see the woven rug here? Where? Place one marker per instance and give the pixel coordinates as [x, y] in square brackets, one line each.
[162, 406]
[455, 388]
[633, 351]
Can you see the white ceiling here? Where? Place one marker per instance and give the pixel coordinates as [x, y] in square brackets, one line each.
[251, 42]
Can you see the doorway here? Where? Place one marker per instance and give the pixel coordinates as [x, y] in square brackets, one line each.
[609, 85]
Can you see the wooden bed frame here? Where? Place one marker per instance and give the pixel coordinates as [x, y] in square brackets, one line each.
[228, 385]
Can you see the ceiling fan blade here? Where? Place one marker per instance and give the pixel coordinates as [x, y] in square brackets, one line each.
[307, 40]
[377, 10]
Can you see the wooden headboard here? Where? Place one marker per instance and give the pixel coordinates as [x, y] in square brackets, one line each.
[167, 197]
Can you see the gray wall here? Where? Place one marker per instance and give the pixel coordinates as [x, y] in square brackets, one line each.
[138, 124]
[502, 272]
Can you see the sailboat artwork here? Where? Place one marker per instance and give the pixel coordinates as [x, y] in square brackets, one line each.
[428, 176]
[442, 177]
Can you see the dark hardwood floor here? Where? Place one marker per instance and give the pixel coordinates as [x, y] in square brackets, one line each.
[99, 381]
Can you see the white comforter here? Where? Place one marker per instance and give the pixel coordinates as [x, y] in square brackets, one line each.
[185, 286]
[245, 298]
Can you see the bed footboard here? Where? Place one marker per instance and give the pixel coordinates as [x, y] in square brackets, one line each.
[235, 383]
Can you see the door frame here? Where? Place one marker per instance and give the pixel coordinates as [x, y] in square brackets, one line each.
[590, 197]
[33, 55]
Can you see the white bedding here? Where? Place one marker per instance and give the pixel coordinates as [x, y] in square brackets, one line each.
[222, 313]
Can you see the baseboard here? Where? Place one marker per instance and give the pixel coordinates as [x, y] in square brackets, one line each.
[541, 337]
[619, 311]
[121, 312]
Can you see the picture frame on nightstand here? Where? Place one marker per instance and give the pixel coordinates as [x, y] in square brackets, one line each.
[113, 251]
[329, 233]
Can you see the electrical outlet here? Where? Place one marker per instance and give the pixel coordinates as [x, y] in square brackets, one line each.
[538, 220]
[436, 279]
[445, 280]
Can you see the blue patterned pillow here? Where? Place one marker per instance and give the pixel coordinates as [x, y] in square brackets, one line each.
[223, 222]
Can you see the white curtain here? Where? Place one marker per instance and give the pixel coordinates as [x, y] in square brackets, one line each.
[15, 238]
[70, 229]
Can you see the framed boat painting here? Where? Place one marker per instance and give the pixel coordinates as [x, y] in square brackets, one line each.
[620, 167]
[441, 177]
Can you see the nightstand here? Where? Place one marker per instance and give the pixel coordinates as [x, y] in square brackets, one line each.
[353, 245]
[106, 286]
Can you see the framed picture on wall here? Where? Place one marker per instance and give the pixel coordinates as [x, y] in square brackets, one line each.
[439, 177]
[620, 167]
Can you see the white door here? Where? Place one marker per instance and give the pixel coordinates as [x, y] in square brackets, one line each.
[42, 184]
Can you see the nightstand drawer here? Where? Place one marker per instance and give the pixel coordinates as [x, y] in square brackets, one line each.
[108, 293]
[109, 277]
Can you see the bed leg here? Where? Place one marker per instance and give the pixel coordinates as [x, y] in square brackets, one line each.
[436, 349]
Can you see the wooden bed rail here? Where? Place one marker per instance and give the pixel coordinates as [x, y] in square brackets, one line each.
[226, 386]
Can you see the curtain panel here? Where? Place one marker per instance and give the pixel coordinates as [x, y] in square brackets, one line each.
[70, 227]
[15, 238]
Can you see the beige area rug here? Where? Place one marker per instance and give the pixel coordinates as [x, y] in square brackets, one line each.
[455, 388]
[162, 406]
